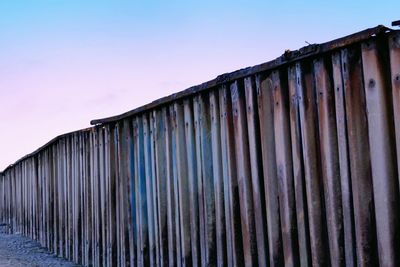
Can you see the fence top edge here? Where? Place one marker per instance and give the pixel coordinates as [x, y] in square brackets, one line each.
[49, 143]
[286, 58]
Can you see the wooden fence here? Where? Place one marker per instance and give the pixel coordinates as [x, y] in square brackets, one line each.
[292, 162]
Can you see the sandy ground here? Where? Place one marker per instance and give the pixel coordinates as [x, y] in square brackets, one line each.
[16, 250]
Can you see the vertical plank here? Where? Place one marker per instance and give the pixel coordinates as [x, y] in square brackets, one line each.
[175, 184]
[284, 169]
[106, 197]
[170, 189]
[77, 198]
[394, 50]
[205, 184]
[61, 221]
[88, 197]
[153, 185]
[148, 159]
[256, 170]
[266, 117]
[244, 175]
[141, 192]
[120, 145]
[383, 158]
[130, 189]
[183, 185]
[218, 179]
[231, 194]
[102, 197]
[329, 161]
[360, 168]
[308, 117]
[94, 196]
[199, 168]
[192, 182]
[55, 156]
[112, 194]
[119, 196]
[344, 168]
[66, 196]
[162, 176]
[298, 170]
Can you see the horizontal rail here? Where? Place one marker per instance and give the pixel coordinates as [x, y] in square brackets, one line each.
[286, 58]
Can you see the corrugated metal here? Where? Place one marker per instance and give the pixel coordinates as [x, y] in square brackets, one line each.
[293, 162]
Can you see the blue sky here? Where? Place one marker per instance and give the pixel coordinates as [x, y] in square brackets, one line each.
[65, 62]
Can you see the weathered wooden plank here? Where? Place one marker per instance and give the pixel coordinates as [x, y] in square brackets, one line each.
[141, 205]
[112, 172]
[183, 185]
[118, 197]
[345, 182]
[106, 197]
[67, 192]
[61, 209]
[298, 170]
[161, 181]
[244, 175]
[102, 194]
[218, 179]
[284, 169]
[329, 161]
[256, 170]
[266, 117]
[206, 184]
[175, 184]
[130, 189]
[56, 197]
[94, 183]
[192, 182]
[309, 132]
[148, 159]
[360, 168]
[231, 191]
[382, 144]
[153, 185]
[87, 211]
[120, 194]
[75, 198]
[199, 168]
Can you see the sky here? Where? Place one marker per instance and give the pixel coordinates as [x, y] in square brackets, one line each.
[66, 62]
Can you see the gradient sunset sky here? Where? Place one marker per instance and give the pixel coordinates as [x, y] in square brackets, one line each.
[65, 62]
